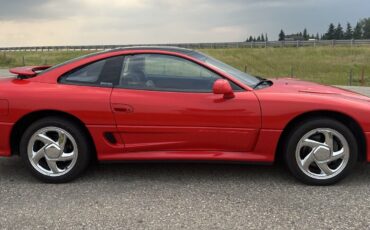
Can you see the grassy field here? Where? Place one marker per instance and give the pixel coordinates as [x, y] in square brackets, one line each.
[12, 59]
[321, 64]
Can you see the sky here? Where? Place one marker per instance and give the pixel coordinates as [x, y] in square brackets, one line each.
[119, 22]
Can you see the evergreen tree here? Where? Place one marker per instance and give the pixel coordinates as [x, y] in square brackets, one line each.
[262, 37]
[331, 32]
[281, 35]
[338, 33]
[349, 32]
[365, 25]
[305, 34]
[317, 36]
[259, 38]
[357, 32]
[266, 38]
[250, 39]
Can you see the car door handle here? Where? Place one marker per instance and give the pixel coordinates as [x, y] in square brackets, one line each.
[122, 108]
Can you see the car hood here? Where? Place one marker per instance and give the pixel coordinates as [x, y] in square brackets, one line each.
[289, 85]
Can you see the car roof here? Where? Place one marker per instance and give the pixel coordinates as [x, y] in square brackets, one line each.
[158, 48]
[161, 48]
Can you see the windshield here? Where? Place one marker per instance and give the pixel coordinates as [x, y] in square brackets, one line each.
[245, 78]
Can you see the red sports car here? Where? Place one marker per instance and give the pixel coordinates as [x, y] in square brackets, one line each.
[166, 103]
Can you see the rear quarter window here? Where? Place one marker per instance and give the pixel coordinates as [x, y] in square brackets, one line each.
[100, 73]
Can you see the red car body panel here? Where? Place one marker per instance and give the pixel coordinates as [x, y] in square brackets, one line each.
[157, 125]
[186, 121]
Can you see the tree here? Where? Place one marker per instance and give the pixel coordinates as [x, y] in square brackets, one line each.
[357, 32]
[349, 32]
[365, 25]
[338, 33]
[331, 32]
[317, 36]
[305, 34]
[259, 38]
[250, 39]
[266, 38]
[281, 35]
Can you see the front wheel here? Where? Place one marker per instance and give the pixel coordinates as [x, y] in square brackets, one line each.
[320, 151]
[55, 150]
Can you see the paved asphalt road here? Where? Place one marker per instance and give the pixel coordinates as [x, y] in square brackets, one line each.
[182, 196]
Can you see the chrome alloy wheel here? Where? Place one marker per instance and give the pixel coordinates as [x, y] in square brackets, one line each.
[322, 153]
[52, 151]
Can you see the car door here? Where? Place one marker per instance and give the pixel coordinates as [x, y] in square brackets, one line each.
[85, 91]
[166, 103]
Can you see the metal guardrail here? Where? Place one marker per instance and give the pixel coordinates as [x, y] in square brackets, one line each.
[313, 43]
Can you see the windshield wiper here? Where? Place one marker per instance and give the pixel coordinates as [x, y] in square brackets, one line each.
[263, 82]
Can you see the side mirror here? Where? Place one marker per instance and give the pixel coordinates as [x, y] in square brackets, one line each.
[222, 86]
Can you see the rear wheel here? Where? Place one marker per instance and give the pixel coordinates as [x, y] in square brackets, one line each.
[321, 151]
[55, 150]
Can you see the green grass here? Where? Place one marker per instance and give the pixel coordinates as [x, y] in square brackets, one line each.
[321, 64]
[13, 59]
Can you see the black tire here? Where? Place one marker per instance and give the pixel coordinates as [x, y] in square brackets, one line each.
[80, 137]
[304, 127]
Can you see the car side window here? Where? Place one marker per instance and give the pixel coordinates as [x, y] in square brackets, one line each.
[105, 73]
[165, 73]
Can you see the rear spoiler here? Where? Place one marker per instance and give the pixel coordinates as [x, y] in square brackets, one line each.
[28, 71]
